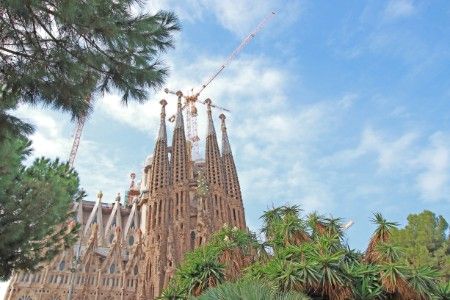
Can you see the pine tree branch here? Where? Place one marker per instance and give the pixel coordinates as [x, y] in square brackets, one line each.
[15, 52]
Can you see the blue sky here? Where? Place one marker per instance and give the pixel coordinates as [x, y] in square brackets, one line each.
[342, 108]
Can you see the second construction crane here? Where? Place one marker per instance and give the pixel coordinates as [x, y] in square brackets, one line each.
[190, 100]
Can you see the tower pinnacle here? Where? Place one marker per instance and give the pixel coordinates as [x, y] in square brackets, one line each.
[179, 148]
[211, 129]
[232, 186]
[212, 155]
[226, 149]
[160, 165]
[162, 129]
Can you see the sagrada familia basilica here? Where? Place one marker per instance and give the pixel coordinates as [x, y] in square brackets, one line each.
[130, 249]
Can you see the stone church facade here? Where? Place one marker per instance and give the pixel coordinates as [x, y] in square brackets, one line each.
[130, 250]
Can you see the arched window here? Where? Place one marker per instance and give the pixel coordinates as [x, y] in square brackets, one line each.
[111, 238]
[192, 239]
[112, 268]
[131, 240]
[62, 264]
[135, 270]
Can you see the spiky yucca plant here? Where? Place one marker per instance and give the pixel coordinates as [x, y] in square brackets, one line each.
[306, 257]
[381, 235]
[249, 291]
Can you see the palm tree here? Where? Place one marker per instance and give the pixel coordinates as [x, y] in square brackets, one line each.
[334, 280]
[314, 262]
[442, 292]
[238, 250]
[300, 276]
[293, 230]
[352, 256]
[283, 226]
[317, 224]
[270, 217]
[397, 278]
[202, 271]
[172, 292]
[290, 210]
[366, 281]
[249, 290]
[367, 289]
[381, 235]
[393, 276]
[334, 227]
[422, 280]
[387, 252]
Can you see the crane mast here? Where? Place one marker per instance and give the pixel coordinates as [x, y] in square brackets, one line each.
[76, 140]
[77, 136]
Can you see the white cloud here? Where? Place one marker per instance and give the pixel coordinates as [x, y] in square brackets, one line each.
[96, 165]
[140, 116]
[399, 8]
[236, 16]
[48, 139]
[390, 153]
[434, 182]
[427, 162]
[348, 100]
[308, 188]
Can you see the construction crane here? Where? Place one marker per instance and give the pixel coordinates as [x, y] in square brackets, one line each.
[189, 106]
[190, 101]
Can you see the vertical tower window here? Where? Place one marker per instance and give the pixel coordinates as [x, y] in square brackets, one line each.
[192, 239]
[62, 264]
[131, 240]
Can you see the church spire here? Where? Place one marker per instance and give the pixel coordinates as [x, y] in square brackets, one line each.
[233, 189]
[179, 149]
[160, 165]
[226, 149]
[231, 177]
[212, 155]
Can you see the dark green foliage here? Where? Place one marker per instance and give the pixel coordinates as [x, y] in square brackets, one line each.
[309, 257]
[426, 242]
[251, 290]
[442, 292]
[34, 207]
[59, 52]
[206, 266]
[366, 281]
[10, 125]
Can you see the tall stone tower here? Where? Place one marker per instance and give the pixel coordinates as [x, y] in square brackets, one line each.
[131, 250]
